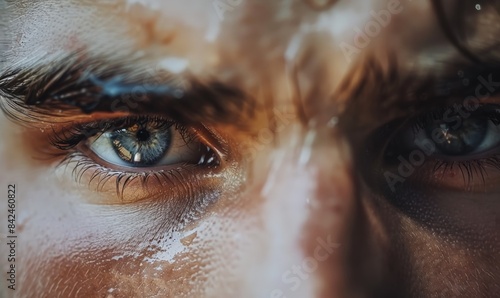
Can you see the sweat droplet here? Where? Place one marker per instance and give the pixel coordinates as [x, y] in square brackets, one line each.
[188, 239]
[478, 6]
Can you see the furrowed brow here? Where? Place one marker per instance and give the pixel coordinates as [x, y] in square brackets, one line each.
[83, 87]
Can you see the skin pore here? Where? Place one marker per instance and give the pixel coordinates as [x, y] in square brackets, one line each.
[291, 199]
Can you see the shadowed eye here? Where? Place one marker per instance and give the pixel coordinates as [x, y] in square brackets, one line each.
[441, 168]
[441, 149]
[466, 138]
[454, 137]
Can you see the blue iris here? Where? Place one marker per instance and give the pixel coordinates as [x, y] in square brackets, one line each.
[459, 139]
[141, 144]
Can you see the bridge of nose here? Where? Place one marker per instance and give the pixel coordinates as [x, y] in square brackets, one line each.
[310, 215]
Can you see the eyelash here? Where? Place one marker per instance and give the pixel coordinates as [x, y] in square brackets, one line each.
[469, 168]
[68, 140]
[103, 174]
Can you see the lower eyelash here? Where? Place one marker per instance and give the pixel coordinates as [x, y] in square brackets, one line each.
[103, 175]
[469, 169]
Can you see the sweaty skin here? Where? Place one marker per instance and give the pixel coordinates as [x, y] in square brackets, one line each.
[289, 217]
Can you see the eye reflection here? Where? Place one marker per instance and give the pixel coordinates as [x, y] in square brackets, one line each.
[466, 138]
[146, 142]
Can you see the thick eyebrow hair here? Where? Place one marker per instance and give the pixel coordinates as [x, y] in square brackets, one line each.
[407, 94]
[73, 87]
[396, 95]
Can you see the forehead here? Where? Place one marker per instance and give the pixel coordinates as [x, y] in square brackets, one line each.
[163, 27]
[251, 42]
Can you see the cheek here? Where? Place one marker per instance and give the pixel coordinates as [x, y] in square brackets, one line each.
[84, 249]
[435, 249]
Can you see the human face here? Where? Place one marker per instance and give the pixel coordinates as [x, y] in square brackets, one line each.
[250, 148]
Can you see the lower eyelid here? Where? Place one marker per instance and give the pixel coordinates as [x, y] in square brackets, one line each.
[113, 187]
[481, 175]
[173, 198]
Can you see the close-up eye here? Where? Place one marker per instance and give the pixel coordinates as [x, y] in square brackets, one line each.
[137, 156]
[443, 149]
[146, 142]
[436, 165]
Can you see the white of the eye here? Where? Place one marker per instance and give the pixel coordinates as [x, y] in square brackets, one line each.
[178, 152]
[491, 139]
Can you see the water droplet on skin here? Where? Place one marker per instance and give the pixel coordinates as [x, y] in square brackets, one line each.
[478, 6]
[189, 239]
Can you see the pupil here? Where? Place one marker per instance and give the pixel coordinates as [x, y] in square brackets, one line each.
[143, 135]
[141, 146]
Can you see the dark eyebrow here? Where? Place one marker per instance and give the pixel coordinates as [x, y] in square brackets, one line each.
[73, 87]
[378, 95]
[406, 95]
